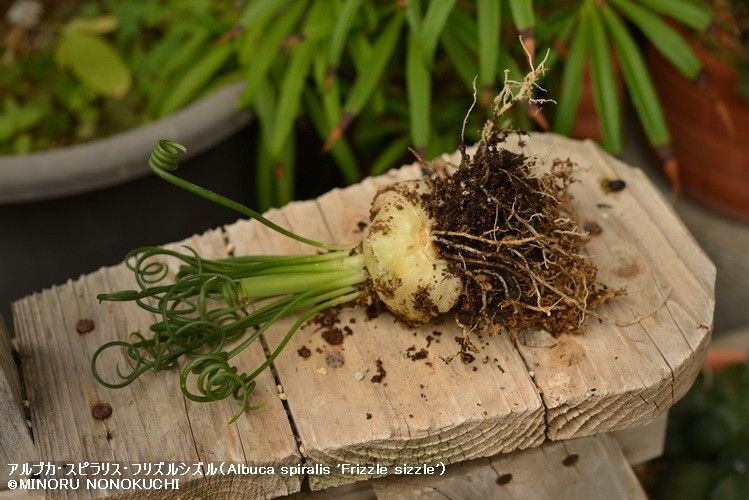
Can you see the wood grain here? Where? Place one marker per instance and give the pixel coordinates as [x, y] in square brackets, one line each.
[599, 471]
[644, 355]
[15, 445]
[642, 444]
[423, 411]
[150, 420]
[624, 373]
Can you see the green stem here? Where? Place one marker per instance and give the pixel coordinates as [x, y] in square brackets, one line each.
[272, 285]
[164, 158]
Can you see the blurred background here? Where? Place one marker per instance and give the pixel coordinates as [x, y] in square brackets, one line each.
[281, 100]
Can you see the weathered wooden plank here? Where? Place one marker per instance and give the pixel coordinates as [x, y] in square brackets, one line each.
[644, 355]
[423, 411]
[616, 376]
[622, 373]
[589, 467]
[16, 445]
[642, 444]
[256, 438]
[150, 420]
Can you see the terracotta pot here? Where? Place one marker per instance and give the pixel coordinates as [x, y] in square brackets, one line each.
[713, 152]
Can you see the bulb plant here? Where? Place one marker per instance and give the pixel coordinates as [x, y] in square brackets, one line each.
[495, 243]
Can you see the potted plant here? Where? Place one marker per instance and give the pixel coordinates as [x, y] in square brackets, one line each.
[371, 79]
[710, 115]
[88, 86]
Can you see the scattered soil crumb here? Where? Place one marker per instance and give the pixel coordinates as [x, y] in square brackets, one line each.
[570, 460]
[381, 373]
[318, 350]
[592, 228]
[613, 185]
[327, 321]
[369, 416]
[373, 310]
[361, 225]
[347, 330]
[504, 479]
[304, 352]
[465, 346]
[333, 337]
[101, 411]
[84, 325]
[334, 360]
[414, 355]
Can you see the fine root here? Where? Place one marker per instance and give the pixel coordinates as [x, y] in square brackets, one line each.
[509, 230]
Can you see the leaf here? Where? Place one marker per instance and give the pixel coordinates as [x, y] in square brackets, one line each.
[434, 23]
[522, 14]
[419, 89]
[341, 152]
[367, 81]
[318, 23]
[695, 14]
[259, 11]
[554, 25]
[167, 65]
[290, 96]
[666, 39]
[284, 171]
[465, 29]
[489, 15]
[637, 79]
[187, 53]
[264, 107]
[461, 58]
[360, 51]
[99, 25]
[572, 79]
[389, 156]
[190, 84]
[413, 15]
[94, 62]
[255, 18]
[266, 53]
[604, 85]
[340, 32]
[561, 31]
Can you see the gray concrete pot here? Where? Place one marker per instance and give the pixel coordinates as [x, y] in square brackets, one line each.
[121, 157]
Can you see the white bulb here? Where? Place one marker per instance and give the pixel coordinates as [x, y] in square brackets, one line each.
[405, 267]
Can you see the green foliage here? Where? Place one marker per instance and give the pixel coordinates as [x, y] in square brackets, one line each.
[610, 40]
[369, 78]
[94, 62]
[707, 443]
[97, 67]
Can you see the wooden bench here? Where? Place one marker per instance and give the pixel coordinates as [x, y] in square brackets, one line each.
[623, 374]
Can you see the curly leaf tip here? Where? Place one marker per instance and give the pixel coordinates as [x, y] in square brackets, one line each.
[165, 156]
